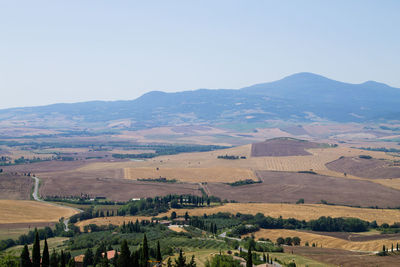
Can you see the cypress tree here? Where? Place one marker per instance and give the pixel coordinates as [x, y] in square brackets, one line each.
[135, 258]
[192, 262]
[115, 259]
[145, 252]
[71, 262]
[181, 261]
[36, 251]
[249, 261]
[392, 247]
[25, 259]
[46, 255]
[88, 258]
[125, 256]
[169, 262]
[54, 259]
[62, 259]
[158, 256]
[397, 246]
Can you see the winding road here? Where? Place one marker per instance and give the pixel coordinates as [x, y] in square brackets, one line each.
[35, 195]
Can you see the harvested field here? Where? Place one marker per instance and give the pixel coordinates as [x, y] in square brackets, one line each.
[177, 228]
[367, 168]
[114, 220]
[393, 183]
[279, 147]
[14, 186]
[113, 189]
[300, 212]
[192, 175]
[45, 166]
[327, 241]
[345, 258]
[289, 187]
[24, 211]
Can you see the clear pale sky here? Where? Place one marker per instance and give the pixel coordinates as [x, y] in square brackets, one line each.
[70, 51]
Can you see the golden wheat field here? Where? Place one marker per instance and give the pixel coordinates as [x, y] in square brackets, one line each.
[326, 241]
[300, 212]
[26, 211]
[115, 220]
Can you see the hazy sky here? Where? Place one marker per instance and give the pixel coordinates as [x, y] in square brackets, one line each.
[69, 51]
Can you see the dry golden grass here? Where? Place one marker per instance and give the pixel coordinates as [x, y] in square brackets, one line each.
[325, 241]
[115, 220]
[300, 212]
[26, 211]
[177, 228]
[191, 175]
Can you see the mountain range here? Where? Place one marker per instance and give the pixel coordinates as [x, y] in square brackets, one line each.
[302, 97]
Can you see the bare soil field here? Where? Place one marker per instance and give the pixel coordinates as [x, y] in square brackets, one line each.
[289, 187]
[14, 186]
[300, 212]
[45, 166]
[327, 241]
[345, 258]
[24, 211]
[393, 183]
[191, 175]
[113, 189]
[367, 168]
[279, 147]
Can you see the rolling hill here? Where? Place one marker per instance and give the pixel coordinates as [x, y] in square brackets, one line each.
[302, 97]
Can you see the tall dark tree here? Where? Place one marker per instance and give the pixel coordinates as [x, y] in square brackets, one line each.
[71, 262]
[98, 254]
[249, 260]
[124, 258]
[36, 251]
[25, 259]
[135, 258]
[192, 262]
[115, 259]
[158, 256]
[54, 259]
[46, 255]
[181, 260]
[145, 252]
[62, 259]
[88, 258]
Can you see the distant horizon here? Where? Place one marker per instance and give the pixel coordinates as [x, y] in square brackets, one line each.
[195, 89]
[77, 51]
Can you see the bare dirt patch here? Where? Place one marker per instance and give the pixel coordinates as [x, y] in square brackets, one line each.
[14, 186]
[367, 168]
[289, 187]
[279, 147]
